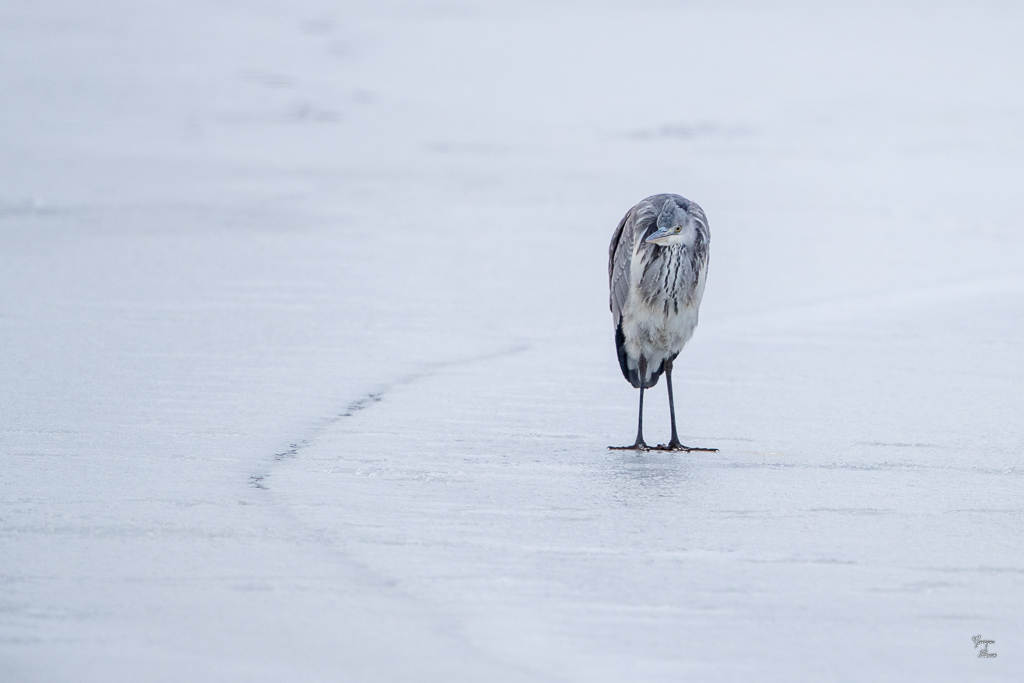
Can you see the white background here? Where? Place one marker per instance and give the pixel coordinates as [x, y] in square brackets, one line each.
[307, 373]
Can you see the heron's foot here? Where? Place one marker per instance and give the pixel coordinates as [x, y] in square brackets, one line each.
[674, 445]
[638, 446]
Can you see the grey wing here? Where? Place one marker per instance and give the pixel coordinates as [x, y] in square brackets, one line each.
[620, 253]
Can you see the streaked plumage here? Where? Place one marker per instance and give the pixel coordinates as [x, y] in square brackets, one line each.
[657, 266]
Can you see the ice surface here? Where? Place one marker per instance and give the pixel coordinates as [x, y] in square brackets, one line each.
[306, 366]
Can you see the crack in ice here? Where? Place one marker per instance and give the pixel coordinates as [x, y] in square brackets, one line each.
[293, 449]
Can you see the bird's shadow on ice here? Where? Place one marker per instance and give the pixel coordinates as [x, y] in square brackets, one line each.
[649, 473]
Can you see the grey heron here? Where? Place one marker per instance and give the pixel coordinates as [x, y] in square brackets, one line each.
[657, 265]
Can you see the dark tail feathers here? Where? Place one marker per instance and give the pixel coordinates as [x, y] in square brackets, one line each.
[632, 376]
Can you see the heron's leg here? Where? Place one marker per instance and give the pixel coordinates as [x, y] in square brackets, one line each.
[674, 444]
[674, 441]
[642, 369]
[639, 444]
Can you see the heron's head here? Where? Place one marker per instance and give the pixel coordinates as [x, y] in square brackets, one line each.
[677, 225]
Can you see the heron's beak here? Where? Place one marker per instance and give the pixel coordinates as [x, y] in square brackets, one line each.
[658, 236]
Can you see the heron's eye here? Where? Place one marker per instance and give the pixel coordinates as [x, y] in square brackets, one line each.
[679, 229]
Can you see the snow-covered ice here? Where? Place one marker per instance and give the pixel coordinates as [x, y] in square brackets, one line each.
[306, 365]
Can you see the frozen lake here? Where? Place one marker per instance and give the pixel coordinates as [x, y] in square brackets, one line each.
[307, 370]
